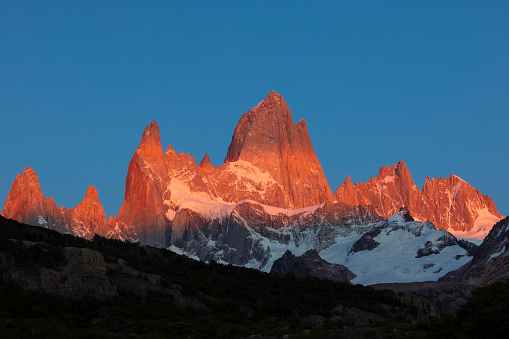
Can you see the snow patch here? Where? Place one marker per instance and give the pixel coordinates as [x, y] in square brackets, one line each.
[246, 170]
[394, 259]
[203, 203]
[41, 221]
[389, 178]
[482, 226]
[289, 212]
[214, 207]
[494, 255]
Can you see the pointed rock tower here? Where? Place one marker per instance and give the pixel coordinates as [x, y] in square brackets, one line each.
[26, 203]
[145, 184]
[267, 138]
[88, 218]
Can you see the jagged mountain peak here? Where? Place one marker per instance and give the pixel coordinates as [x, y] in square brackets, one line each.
[401, 170]
[150, 144]
[89, 217]
[170, 150]
[29, 171]
[267, 138]
[271, 164]
[398, 171]
[273, 103]
[92, 193]
[261, 128]
[29, 177]
[205, 164]
[205, 161]
[348, 180]
[25, 201]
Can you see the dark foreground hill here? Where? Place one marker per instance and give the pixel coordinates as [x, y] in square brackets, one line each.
[60, 285]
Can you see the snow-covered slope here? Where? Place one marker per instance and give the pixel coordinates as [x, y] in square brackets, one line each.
[400, 250]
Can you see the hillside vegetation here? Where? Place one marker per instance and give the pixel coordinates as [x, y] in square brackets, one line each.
[124, 289]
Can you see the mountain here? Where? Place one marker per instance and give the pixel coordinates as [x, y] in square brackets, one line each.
[491, 261]
[450, 204]
[269, 196]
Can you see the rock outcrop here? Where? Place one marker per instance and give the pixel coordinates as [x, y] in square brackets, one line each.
[392, 189]
[454, 204]
[311, 264]
[84, 274]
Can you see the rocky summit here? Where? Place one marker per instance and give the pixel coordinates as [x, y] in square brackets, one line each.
[267, 138]
[451, 204]
[270, 195]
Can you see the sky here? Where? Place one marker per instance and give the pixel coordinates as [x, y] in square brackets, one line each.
[426, 82]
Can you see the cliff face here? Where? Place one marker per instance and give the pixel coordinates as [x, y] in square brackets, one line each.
[145, 189]
[88, 218]
[451, 203]
[454, 204]
[267, 138]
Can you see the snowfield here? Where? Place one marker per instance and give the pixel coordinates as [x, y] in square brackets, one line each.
[395, 258]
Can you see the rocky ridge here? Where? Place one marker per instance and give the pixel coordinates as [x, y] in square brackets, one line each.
[449, 203]
[26, 203]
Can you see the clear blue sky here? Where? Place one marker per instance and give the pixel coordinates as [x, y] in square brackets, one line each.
[426, 82]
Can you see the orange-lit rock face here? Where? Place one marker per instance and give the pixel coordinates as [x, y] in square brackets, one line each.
[270, 160]
[205, 165]
[267, 138]
[451, 204]
[182, 167]
[146, 182]
[26, 203]
[89, 214]
[388, 192]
